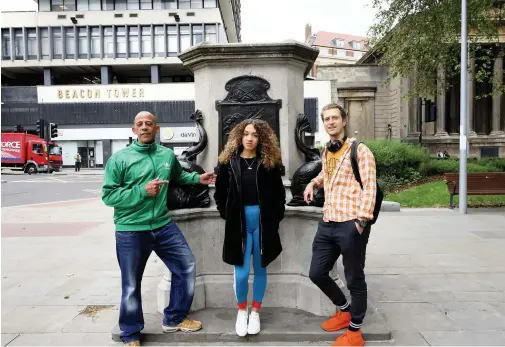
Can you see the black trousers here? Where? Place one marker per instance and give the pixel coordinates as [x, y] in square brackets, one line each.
[331, 240]
[77, 166]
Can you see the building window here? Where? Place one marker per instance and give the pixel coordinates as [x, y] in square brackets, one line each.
[210, 33]
[83, 43]
[57, 5]
[108, 5]
[108, 43]
[95, 42]
[69, 5]
[82, 5]
[164, 4]
[69, 43]
[184, 4]
[44, 5]
[120, 42]
[196, 4]
[146, 41]
[172, 40]
[32, 43]
[146, 5]
[18, 44]
[209, 3]
[133, 39]
[338, 43]
[6, 44]
[133, 4]
[44, 43]
[356, 45]
[185, 37]
[159, 41]
[94, 5]
[57, 44]
[120, 5]
[197, 34]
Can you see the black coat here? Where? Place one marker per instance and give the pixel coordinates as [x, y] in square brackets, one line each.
[228, 197]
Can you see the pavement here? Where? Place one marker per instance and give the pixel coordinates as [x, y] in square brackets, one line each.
[435, 276]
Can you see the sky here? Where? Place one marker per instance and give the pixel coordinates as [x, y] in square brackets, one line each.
[279, 20]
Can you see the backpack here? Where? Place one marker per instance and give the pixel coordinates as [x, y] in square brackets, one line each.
[379, 196]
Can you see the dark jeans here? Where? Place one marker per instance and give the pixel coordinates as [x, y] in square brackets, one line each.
[331, 240]
[77, 166]
[133, 249]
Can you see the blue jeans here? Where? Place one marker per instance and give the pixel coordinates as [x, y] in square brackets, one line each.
[133, 248]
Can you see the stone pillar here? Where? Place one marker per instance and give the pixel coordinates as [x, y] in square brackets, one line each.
[48, 76]
[155, 74]
[453, 115]
[441, 130]
[497, 97]
[281, 66]
[106, 74]
[413, 121]
[471, 98]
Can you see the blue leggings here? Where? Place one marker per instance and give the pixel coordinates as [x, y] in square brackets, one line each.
[241, 273]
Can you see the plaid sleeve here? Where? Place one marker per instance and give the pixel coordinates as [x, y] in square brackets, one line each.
[367, 170]
[318, 180]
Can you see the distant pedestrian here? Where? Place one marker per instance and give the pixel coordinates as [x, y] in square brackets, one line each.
[77, 159]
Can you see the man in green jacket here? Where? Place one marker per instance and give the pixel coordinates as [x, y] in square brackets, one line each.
[135, 184]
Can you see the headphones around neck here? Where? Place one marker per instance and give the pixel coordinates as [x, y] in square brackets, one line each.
[335, 146]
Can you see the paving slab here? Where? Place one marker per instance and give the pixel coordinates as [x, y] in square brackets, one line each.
[277, 324]
[7, 338]
[408, 338]
[39, 319]
[464, 338]
[94, 319]
[62, 339]
[473, 315]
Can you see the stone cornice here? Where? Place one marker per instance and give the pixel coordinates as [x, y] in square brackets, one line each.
[236, 52]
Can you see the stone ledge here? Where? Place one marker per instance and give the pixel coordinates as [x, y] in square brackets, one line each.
[277, 325]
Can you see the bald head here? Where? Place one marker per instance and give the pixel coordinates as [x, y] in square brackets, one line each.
[145, 127]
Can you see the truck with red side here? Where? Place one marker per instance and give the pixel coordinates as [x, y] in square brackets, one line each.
[29, 153]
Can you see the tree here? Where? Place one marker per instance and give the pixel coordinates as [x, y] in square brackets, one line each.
[414, 37]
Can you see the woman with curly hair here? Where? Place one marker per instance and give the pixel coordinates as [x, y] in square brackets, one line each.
[250, 197]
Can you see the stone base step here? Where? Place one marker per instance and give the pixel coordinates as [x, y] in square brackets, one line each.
[277, 324]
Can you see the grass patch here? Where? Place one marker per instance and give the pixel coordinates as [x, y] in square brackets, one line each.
[435, 194]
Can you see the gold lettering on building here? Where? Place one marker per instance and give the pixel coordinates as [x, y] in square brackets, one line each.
[90, 93]
[82, 93]
[67, 93]
[109, 91]
[95, 93]
[116, 92]
[74, 94]
[60, 94]
[134, 92]
[126, 92]
[141, 92]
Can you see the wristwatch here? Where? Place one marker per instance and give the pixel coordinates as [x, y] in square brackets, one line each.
[361, 223]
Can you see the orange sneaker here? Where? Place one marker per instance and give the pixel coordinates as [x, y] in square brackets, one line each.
[350, 338]
[339, 321]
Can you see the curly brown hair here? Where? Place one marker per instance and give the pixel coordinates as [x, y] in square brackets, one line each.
[268, 144]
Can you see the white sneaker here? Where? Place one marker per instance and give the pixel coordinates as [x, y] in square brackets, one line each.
[241, 324]
[254, 323]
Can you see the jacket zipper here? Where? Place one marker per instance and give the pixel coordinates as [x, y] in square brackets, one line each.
[259, 204]
[155, 197]
[241, 226]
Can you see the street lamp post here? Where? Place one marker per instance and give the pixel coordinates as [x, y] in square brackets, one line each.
[463, 143]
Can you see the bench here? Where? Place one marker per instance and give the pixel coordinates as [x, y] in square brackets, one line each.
[478, 183]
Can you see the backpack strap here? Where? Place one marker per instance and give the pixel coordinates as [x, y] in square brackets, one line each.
[354, 162]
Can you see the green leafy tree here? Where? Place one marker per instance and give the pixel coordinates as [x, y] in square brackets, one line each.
[420, 35]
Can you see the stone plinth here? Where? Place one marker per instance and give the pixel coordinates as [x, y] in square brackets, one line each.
[283, 65]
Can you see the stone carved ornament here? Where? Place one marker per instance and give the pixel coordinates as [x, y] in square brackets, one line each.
[194, 196]
[305, 173]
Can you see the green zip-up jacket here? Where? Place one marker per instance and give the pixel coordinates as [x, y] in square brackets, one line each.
[126, 174]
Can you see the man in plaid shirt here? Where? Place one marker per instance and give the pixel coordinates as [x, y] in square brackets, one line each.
[345, 226]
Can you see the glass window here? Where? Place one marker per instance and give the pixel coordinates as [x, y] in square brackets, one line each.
[108, 43]
[83, 43]
[159, 41]
[196, 4]
[69, 43]
[133, 39]
[57, 44]
[133, 4]
[184, 3]
[6, 44]
[170, 4]
[120, 5]
[146, 41]
[44, 43]
[94, 5]
[108, 4]
[210, 33]
[57, 5]
[120, 42]
[69, 5]
[95, 42]
[32, 43]
[82, 5]
[185, 37]
[197, 34]
[209, 3]
[146, 5]
[18, 44]
[158, 5]
[44, 5]
[172, 40]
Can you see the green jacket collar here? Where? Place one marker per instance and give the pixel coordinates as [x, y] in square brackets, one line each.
[143, 147]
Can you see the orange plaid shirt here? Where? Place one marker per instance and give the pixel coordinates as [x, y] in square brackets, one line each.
[344, 198]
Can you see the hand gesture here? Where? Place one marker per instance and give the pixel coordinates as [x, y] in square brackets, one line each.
[308, 194]
[208, 178]
[154, 186]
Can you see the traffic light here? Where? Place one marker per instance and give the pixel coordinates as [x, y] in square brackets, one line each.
[53, 130]
[41, 126]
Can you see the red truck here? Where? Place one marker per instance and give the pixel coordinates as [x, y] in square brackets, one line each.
[28, 152]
